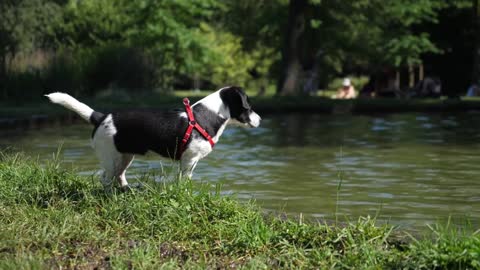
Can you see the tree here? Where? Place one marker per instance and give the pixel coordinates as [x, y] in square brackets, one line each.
[353, 33]
[24, 27]
[166, 34]
[297, 20]
[258, 26]
[299, 44]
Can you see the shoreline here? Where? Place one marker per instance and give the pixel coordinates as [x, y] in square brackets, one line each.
[40, 114]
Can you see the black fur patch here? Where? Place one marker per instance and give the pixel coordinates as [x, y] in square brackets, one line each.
[238, 103]
[207, 119]
[141, 131]
[160, 131]
[96, 118]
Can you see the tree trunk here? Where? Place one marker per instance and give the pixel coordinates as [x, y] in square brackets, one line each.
[421, 72]
[291, 74]
[476, 56]
[411, 77]
[3, 73]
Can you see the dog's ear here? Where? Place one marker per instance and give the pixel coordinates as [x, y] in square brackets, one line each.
[244, 97]
[234, 96]
[236, 100]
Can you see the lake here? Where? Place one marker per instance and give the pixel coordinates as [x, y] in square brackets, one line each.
[409, 169]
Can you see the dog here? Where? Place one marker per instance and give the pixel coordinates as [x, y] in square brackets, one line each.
[117, 137]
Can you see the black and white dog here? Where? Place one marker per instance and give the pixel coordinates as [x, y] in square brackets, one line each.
[118, 136]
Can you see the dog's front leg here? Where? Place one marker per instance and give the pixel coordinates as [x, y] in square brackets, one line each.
[187, 167]
[196, 150]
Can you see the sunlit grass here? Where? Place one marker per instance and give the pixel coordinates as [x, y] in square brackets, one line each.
[53, 218]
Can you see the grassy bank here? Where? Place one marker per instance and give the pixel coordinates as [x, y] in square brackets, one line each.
[50, 218]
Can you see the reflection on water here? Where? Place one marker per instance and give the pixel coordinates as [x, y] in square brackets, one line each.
[409, 168]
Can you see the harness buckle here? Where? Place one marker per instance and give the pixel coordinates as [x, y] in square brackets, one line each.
[186, 101]
[192, 123]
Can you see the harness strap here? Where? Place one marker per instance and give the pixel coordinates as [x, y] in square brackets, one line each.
[192, 124]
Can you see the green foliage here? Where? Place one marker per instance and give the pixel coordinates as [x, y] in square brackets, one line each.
[119, 67]
[405, 46]
[90, 23]
[212, 41]
[407, 49]
[54, 218]
[230, 64]
[64, 71]
[381, 32]
[170, 31]
[26, 25]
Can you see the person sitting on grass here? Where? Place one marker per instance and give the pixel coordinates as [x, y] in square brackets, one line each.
[347, 91]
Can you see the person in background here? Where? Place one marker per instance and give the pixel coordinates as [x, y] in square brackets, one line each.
[347, 91]
[429, 87]
[473, 90]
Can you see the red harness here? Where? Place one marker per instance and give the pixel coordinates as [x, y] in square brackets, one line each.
[192, 124]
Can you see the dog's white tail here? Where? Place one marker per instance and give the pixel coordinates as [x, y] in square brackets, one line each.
[71, 103]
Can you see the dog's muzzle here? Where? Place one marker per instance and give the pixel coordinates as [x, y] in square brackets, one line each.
[254, 119]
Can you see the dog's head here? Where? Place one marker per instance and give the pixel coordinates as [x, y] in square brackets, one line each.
[239, 106]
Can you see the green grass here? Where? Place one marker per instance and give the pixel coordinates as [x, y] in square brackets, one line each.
[50, 217]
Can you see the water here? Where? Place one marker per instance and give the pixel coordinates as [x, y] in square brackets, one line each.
[409, 169]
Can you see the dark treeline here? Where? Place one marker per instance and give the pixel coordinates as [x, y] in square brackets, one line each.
[83, 46]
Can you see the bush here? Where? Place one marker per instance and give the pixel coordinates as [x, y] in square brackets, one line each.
[63, 73]
[121, 67]
[22, 85]
[85, 72]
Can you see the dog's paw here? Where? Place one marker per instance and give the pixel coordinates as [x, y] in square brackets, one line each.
[132, 187]
[126, 188]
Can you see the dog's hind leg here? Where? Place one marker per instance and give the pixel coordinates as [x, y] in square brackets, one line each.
[115, 167]
[122, 167]
[110, 159]
[110, 162]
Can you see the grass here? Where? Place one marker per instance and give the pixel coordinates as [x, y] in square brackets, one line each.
[50, 217]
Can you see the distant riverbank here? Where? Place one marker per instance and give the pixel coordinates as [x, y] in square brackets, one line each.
[41, 112]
